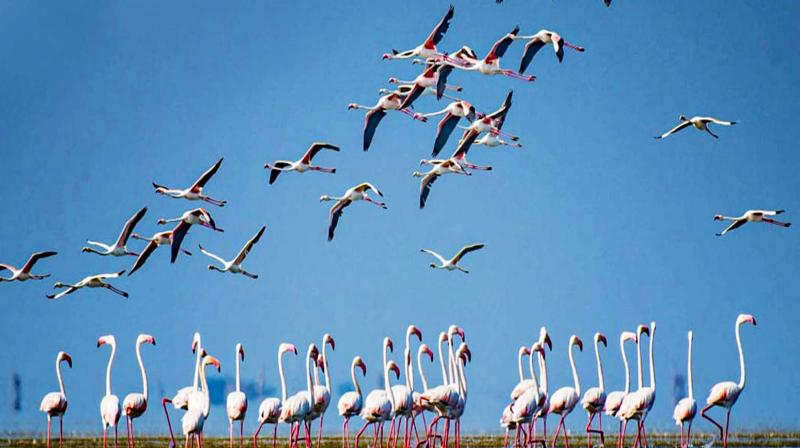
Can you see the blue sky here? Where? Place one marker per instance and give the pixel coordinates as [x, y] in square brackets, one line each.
[593, 225]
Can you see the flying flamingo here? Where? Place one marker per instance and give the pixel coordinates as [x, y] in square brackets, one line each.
[110, 409]
[699, 123]
[594, 399]
[440, 168]
[452, 264]
[614, 399]
[686, 408]
[236, 403]
[54, 404]
[452, 115]
[322, 393]
[563, 401]
[135, 404]
[537, 41]
[630, 408]
[433, 77]
[489, 65]
[492, 124]
[351, 403]
[302, 165]
[24, 273]
[195, 192]
[726, 393]
[235, 266]
[270, 409]
[118, 249]
[188, 219]
[92, 281]
[181, 398]
[295, 409]
[357, 193]
[159, 239]
[751, 216]
[375, 114]
[379, 402]
[194, 419]
[428, 48]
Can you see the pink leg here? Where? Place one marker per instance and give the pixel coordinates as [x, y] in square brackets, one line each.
[61, 432]
[255, 434]
[319, 434]
[275, 436]
[681, 425]
[555, 436]
[105, 429]
[644, 434]
[49, 420]
[727, 422]
[164, 402]
[505, 439]
[689, 435]
[230, 433]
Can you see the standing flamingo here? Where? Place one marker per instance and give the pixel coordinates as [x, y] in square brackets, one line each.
[270, 409]
[357, 193]
[236, 403]
[594, 399]
[544, 398]
[135, 404]
[24, 273]
[302, 165]
[421, 405]
[181, 398]
[54, 404]
[726, 393]
[119, 248]
[686, 408]
[194, 419]
[631, 408]
[199, 216]
[379, 402]
[563, 401]
[195, 192]
[614, 399]
[523, 383]
[110, 409]
[528, 402]
[403, 405]
[351, 403]
[295, 409]
[322, 394]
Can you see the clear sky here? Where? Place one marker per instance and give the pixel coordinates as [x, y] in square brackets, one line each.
[592, 226]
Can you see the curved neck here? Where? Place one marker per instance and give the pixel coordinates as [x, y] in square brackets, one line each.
[197, 367]
[519, 365]
[599, 366]
[207, 405]
[354, 378]
[543, 371]
[462, 379]
[309, 382]
[639, 359]
[238, 381]
[652, 364]
[441, 363]
[144, 373]
[627, 368]
[421, 372]
[325, 367]
[408, 369]
[108, 368]
[386, 386]
[689, 371]
[60, 380]
[574, 371]
[533, 373]
[283, 378]
[741, 358]
[451, 359]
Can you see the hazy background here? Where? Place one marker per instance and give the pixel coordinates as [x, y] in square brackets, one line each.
[592, 226]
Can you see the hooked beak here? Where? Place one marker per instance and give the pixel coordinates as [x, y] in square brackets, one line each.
[416, 331]
[293, 348]
[548, 341]
[332, 343]
[241, 352]
[602, 338]
[460, 333]
[579, 343]
[396, 370]
[390, 344]
[213, 361]
[194, 346]
[68, 359]
[429, 352]
[100, 342]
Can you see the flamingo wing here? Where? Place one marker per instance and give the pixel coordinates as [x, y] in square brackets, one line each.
[178, 234]
[276, 168]
[201, 182]
[336, 213]
[677, 128]
[436, 255]
[500, 47]
[499, 116]
[129, 226]
[467, 249]
[143, 256]
[32, 260]
[371, 121]
[466, 142]
[425, 188]
[734, 225]
[412, 96]
[441, 28]
[368, 186]
[249, 245]
[441, 83]
[315, 148]
[531, 48]
[443, 131]
[110, 275]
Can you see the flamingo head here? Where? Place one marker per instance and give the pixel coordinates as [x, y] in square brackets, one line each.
[392, 80]
[240, 350]
[63, 356]
[417, 173]
[387, 343]
[286, 347]
[643, 329]
[313, 352]
[392, 367]
[628, 336]
[745, 318]
[537, 348]
[386, 56]
[412, 329]
[464, 352]
[321, 362]
[324, 198]
[432, 265]
[195, 341]
[107, 339]
[212, 361]
[358, 362]
[145, 339]
[524, 351]
[328, 339]
[160, 189]
[544, 338]
[454, 329]
[58, 285]
[161, 221]
[442, 335]
[575, 340]
[683, 118]
[718, 218]
[600, 337]
[426, 350]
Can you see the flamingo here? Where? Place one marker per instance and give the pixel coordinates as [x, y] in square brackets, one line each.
[630, 408]
[700, 123]
[420, 405]
[594, 399]
[92, 281]
[489, 65]
[181, 398]
[110, 409]
[188, 219]
[357, 193]
[537, 41]
[54, 404]
[563, 401]
[379, 402]
[194, 419]
[489, 123]
[322, 393]
[295, 409]
[428, 48]
[440, 168]
[236, 403]
[118, 249]
[449, 397]
[403, 404]
[195, 192]
[375, 114]
[302, 165]
[135, 404]
[158, 239]
[726, 393]
[235, 266]
[452, 264]
[523, 383]
[270, 409]
[433, 77]
[647, 395]
[24, 273]
[614, 399]
[751, 216]
[463, 355]
[544, 398]
[452, 115]
[686, 408]
[351, 403]
[523, 408]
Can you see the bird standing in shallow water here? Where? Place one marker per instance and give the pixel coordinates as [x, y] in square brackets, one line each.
[54, 404]
[686, 408]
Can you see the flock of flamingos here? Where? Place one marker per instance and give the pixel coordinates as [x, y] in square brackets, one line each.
[402, 405]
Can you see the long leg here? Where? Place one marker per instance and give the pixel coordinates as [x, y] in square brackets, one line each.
[621, 433]
[681, 425]
[105, 429]
[777, 223]
[116, 290]
[133, 437]
[241, 433]
[644, 433]
[711, 133]
[230, 433]
[116, 425]
[322, 169]
[213, 201]
[589, 430]
[275, 435]
[707, 417]
[361, 431]
[255, 434]
[727, 422]
[344, 432]
[558, 429]
[689, 435]
[515, 75]
[164, 402]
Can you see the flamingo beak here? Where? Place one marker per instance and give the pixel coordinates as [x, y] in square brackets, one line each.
[390, 344]
[527, 351]
[293, 348]
[416, 331]
[429, 352]
[548, 341]
[363, 368]
[214, 361]
[460, 332]
[396, 370]
[579, 343]
[644, 329]
[194, 346]
[100, 342]
[241, 352]
[151, 340]
[68, 359]
[602, 338]
[332, 343]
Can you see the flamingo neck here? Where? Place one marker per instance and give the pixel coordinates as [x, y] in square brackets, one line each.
[575, 378]
[451, 359]
[108, 368]
[533, 373]
[652, 364]
[741, 358]
[144, 372]
[639, 359]
[207, 404]
[408, 369]
[441, 363]
[309, 382]
[60, 380]
[519, 365]
[543, 371]
[421, 372]
[356, 386]
[386, 386]
[283, 378]
[689, 369]
[599, 366]
[238, 381]
[325, 366]
[462, 379]
[197, 367]
[627, 368]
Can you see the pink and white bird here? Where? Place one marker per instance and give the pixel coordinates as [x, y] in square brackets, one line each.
[726, 393]
[54, 404]
[24, 273]
[358, 193]
[525, 406]
[428, 48]
[594, 399]
[181, 398]
[351, 402]
[452, 264]
[537, 41]
[235, 266]
[194, 192]
[135, 404]
[378, 405]
[403, 405]
[119, 247]
[686, 408]
[637, 404]
[491, 125]
[375, 114]
[236, 403]
[199, 216]
[296, 408]
[158, 239]
[439, 168]
[110, 409]
[751, 216]
[193, 421]
[269, 411]
[614, 398]
[544, 398]
[92, 281]
[563, 401]
[699, 123]
[452, 115]
[524, 383]
[467, 59]
[322, 393]
[301, 166]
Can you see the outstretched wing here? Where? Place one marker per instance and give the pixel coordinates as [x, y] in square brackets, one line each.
[438, 257]
[201, 182]
[499, 116]
[425, 188]
[677, 128]
[212, 255]
[371, 121]
[441, 28]
[500, 47]
[69, 290]
[441, 83]
[412, 96]
[467, 249]
[734, 225]
[275, 170]
[368, 186]
[143, 256]
[33, 259]
[443, 131]
[336, 213]
[249, 245]
[110, 275]
[558, 46]
[466, 142]
[129, 226]
[178, 234]
[531, 48]
[721, 122]
[315, 148]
